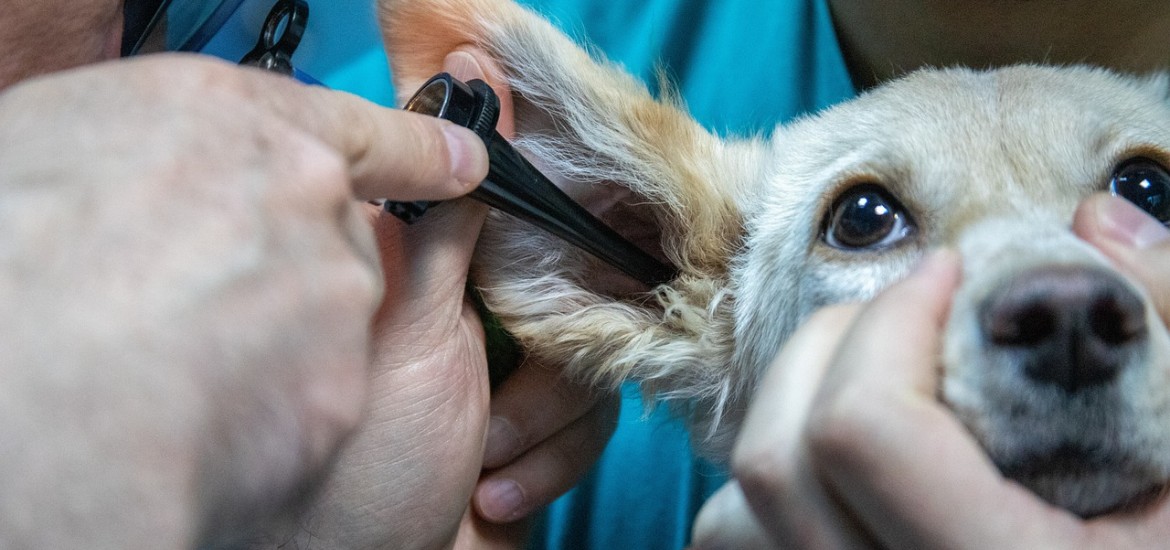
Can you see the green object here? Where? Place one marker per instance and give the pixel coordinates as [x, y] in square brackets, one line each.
[503, 352]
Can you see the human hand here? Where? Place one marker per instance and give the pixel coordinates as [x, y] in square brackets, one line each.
[188, 284]
[1135, 242]
[546, 431]
[852, 449]
[781, 482]
[408, 477]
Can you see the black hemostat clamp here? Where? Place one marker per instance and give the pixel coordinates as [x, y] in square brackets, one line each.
[516, 187]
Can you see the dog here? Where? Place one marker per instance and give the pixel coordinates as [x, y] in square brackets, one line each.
[1053, 359]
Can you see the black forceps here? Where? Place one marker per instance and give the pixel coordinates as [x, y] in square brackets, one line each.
[516, 187]
[513, 185]
[279, 37]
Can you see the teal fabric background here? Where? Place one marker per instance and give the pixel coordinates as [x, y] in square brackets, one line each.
[741, 65]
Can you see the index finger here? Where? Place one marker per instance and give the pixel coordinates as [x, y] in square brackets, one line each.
[390, 153]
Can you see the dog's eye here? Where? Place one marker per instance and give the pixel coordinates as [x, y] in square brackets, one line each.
[1144, 183]
[866, 216]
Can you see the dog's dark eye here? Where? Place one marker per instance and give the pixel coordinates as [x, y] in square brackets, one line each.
[1144, 183]
[866, 216]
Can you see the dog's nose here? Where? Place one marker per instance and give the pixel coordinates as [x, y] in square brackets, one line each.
[1072, 327]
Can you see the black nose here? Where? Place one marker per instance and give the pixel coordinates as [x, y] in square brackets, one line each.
[1072, 327]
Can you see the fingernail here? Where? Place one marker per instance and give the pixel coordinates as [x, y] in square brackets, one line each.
[1127, 224]
[467, 154]
[501, 500]
[502, 442]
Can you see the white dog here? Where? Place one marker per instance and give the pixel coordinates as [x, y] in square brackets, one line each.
[1052, 358]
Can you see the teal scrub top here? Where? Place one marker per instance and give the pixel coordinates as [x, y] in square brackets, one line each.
[742, 66]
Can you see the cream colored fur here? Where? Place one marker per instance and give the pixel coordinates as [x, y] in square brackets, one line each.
[992, 163]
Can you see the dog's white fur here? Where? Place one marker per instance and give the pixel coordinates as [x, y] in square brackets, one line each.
[992, 163]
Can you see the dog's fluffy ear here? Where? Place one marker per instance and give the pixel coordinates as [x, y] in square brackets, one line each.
[584, 122]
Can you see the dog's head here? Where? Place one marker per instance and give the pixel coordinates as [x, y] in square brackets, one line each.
[1052, 357]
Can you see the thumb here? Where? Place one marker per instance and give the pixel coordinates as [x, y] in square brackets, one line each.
[428, 261]
[1135, 241]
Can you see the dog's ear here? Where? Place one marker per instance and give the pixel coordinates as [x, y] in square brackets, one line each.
[594, 129]
[583, 120]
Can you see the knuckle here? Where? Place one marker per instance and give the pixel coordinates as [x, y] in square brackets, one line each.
[834, 430]
[325, 165]
[369, 288]
[321, 168]
[369, 284]
[336, 405]
[353, 124]
[764, 469]
[345, 410]
[357, 283]
[351, 410]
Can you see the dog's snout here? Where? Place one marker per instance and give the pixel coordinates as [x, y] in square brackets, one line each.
[1072, 327]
